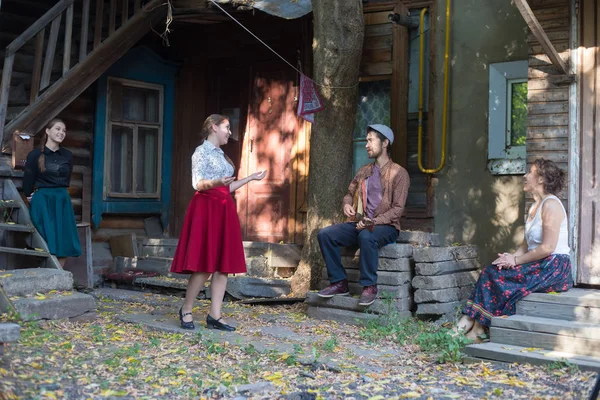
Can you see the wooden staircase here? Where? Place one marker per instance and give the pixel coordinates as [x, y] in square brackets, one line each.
[547, 328]
[62, 53]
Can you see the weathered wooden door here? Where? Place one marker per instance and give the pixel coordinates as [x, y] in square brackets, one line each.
[589, 185]
[272, 127]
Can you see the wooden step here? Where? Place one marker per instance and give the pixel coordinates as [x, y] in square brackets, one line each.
[551, 334]
[24, 252]
[16, 227]
[524, 355]
[581, 305]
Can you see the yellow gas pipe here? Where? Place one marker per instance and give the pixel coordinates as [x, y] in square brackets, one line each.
[445, 110]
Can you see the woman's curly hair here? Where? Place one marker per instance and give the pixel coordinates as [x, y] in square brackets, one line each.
[553, 176]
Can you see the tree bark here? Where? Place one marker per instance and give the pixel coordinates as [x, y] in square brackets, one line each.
[337, 49]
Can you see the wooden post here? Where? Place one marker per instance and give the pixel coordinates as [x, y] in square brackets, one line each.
[125, 12]
[541, 36]
[399, 90]
[113, 17]
[68, 34]
[50, 50]
[85, 22]
[37, 66]
[99, 20]
[4, 90]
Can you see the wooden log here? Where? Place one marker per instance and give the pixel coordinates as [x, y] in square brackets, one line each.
[543, 95]
[85, 23]
[379, 30]
[377, 18]
[37, 66]
[50, 51]
[548, 120]
[547, 132]
[558, 107]
[112, 17]
[378, 42]
[68, 35]
[371, 56]
[99, 20]
[379, 68]
[548, 144]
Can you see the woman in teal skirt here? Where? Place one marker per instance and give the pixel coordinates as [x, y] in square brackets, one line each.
[47, 176]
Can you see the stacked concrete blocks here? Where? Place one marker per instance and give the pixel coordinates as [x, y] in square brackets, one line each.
[394, 283]
[444, 278]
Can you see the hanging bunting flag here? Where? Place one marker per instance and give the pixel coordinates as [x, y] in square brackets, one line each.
[310, 102]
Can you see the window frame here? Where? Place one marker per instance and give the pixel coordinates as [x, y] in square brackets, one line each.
[503, 158]
[107, 193]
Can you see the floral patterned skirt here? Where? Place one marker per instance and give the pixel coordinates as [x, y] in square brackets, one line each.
[498, 291]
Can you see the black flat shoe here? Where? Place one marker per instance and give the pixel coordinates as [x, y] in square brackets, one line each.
[212, 323]
[185, 325]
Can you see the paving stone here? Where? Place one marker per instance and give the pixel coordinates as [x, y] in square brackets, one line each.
[439, 308]
[345, 316]
[445, 281]
[257, 387]
[385, 264]
[9, 332]
[22, 282]
[58, 307]
[393, 250]
[446, 267]
[437, 254]
[397, 292]
[351, 303]
[383, 277]
[443, 295]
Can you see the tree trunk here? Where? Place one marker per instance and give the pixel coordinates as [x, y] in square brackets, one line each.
[337, 50]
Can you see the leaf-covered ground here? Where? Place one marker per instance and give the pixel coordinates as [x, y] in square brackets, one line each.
[277, 353]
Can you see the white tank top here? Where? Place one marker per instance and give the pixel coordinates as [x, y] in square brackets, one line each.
[533, 230]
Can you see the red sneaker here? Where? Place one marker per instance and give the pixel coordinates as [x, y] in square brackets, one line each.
[339, 288]
[368, 296]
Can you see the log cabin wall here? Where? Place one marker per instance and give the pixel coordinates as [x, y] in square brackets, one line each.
[548, 102]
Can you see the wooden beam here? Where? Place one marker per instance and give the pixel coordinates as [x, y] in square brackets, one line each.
[541, 36]
[50, 51]
[81, 76]
[399, 91]
[99, 20]
[37, 66]
[85, 22]
[68, 37]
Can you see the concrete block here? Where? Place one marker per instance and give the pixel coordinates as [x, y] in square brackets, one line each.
[285, 255]
[396, 292]
[58, 307]
[256, 249]
[242, 287]
[259, 267]
[351, 304]
[446, 267]
[443, 295]
[439, 308]
[9, 332]
[437, 254]
[385, 264]
[383, 277]
[22, 282]
[445, 281]
[392, 250]
[343, 316]
[420, 238]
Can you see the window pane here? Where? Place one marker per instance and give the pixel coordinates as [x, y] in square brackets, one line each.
[374, 101]
[140, 104]
[518, 120]
[121, 168]
[147, 160]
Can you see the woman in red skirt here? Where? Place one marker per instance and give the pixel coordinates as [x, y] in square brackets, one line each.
[211, 239]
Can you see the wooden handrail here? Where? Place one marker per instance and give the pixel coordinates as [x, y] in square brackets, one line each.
[38, 25]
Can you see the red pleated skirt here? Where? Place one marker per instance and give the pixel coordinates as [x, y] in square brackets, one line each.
[211, 238]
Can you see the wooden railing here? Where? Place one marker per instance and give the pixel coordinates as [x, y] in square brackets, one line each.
[118, 11]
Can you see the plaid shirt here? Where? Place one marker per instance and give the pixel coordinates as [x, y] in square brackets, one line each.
[394, 186]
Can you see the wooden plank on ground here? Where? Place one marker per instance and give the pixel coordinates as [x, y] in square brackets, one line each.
[579, 346]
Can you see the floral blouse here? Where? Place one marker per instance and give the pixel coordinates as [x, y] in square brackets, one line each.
[209, 162]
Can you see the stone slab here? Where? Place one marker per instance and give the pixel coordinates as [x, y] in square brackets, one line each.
[22, 282]
[9, 332]
[393, 250]
[383, 277]
[385, 264]
[447, 267]
[243, 287]
[397, 292]
[58, 307]
[351, 304]
[437, 254]
[439, 308]
[420, 238]
[443, 295]
[445, 281]
[345, 316]
[163, 282]
[133, 296]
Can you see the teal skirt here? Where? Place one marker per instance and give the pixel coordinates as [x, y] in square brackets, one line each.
[52, 215]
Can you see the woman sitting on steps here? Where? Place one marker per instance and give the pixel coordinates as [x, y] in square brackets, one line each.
[540, 264]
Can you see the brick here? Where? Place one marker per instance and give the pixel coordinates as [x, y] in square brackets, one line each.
[446, 267]
[385, 264]
[351, 303]
[445, 281]
[439, 308]
[437, 254]
[383, 277]
[443, 295]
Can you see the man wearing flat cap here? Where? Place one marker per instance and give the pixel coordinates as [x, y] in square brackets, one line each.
[373, 205]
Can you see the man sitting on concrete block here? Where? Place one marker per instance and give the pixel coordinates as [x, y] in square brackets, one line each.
[373, 205]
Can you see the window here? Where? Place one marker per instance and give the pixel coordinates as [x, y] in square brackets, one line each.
[133, 140]
[507, 118]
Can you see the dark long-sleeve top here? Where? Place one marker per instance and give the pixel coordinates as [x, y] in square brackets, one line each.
[59, 166]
